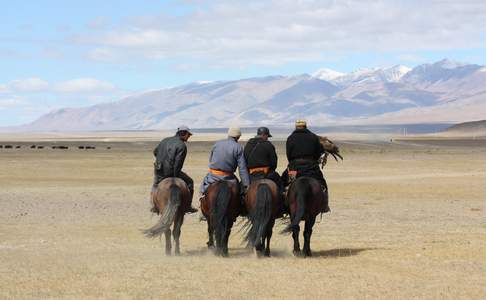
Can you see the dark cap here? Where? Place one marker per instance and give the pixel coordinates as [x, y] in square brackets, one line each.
[263, 130]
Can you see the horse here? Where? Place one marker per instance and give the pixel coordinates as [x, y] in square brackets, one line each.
[172, 198]
[263, 204]
[306, 200]
[221, 206]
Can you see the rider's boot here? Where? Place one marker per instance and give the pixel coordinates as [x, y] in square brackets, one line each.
[191, 209]
[326, 207]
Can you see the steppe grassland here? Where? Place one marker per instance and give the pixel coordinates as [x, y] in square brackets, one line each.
[407, 221]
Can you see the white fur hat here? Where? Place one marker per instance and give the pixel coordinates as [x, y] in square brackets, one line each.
[234, 132]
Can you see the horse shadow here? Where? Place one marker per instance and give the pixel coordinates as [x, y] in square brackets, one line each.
[340, 252]
[239, 252]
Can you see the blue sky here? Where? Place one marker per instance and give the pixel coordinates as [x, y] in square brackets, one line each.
[57, 54]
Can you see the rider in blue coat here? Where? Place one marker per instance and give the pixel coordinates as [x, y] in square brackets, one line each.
[227, 155]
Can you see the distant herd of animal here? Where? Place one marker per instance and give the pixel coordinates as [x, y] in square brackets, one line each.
[52, 147]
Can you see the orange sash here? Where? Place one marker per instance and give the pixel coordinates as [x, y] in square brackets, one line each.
[259, 169]
[219, 172]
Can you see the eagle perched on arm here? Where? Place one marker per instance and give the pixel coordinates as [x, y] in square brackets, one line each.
[329, 148]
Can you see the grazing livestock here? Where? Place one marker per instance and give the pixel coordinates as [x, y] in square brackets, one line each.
[18, 147]
[40, 147]
[80, 147]
[8, 147]
[32, 147]
[1, 146]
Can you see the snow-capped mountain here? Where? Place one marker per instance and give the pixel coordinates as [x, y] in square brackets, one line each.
[444, 91]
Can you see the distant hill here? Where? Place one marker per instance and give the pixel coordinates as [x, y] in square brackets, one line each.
[476, 128]
[443, 92]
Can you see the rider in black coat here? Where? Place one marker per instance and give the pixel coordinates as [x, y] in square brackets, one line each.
[303, 151]
[261, 157]
[170, 154]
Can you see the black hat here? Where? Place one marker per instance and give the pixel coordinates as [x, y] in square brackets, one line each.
[263, 130]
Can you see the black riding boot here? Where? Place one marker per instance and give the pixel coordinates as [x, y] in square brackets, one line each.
[191, 209]
[326, 208]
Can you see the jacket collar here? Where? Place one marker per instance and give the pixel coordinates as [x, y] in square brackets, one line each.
[303, 130]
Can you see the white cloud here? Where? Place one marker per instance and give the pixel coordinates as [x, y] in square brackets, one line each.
[28, 85]
[282, 31]
[11, 102]
[411, 58]
[84, 85]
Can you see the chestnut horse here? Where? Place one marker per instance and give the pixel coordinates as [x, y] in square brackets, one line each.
[172, 198]
[221, 206]
[306, 200]
[263, 204]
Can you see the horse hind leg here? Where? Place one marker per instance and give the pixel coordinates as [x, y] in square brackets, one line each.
[168, 243]
[307, 236]
[268, 237]
[177, 233]
[295, 236]
[224, 243]
[210, 242]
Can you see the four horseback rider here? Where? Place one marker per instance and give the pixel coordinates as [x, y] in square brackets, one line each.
[303, 152]
[225, 157]
[261, 157]
[258, 160]
[170, 154]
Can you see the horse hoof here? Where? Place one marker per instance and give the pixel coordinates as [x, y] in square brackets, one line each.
[297, 253]
[267, 254]
[308, 253]
[168, 253]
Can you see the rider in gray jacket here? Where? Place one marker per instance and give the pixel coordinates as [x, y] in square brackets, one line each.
[225, 157]
[169, 159]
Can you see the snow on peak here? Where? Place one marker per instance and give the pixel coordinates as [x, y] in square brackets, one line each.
[449, 64]
[394, 73]
[327, 74]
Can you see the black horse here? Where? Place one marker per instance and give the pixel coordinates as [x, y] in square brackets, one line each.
[221, 206]
[306, 200]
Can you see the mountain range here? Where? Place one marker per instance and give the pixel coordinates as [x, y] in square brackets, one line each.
[441, 92]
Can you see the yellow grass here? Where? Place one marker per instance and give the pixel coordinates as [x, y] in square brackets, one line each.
[406, 222]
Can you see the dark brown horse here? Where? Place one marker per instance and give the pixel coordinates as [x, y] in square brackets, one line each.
[263, 204]
[221, 207]
[172, 198]
[306, 200]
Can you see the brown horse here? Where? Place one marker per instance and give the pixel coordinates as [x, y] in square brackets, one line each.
[306, 200]
[172, 198]
[263, 204]
[221, 207]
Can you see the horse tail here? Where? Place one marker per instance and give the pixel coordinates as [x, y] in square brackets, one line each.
[219, 218]
[261, 215]
[168, 215]
[301, 195]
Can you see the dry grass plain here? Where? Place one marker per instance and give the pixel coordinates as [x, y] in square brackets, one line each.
[407, 221]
